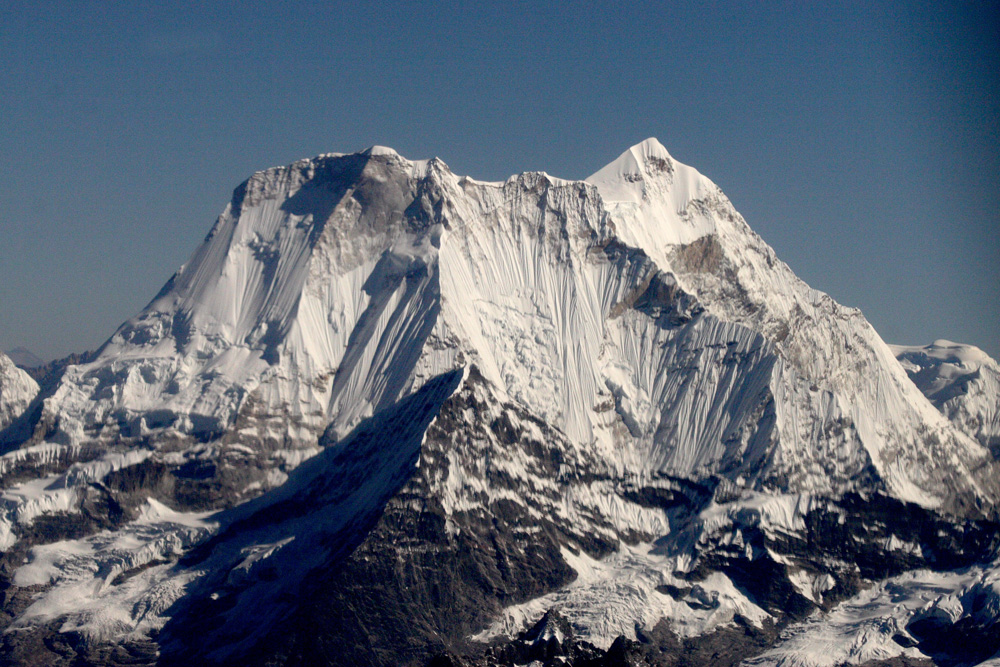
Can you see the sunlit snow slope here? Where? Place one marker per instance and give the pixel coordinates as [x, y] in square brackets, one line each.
[962, 381]
[17, 389]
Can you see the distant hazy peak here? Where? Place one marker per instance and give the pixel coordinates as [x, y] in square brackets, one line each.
[944, 351]
[25, 358]
[962, 381]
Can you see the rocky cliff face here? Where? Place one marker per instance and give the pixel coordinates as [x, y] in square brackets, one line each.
[605, 401]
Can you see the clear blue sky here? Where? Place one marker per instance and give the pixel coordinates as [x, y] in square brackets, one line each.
[861, 140]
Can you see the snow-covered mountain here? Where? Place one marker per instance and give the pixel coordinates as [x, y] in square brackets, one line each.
[17, 389]
[601, 401]
[329, 289]
[962, 381]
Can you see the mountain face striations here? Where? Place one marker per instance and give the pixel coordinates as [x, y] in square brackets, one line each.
[389, 415]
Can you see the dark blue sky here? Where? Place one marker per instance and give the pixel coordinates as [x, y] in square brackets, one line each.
[860, 140]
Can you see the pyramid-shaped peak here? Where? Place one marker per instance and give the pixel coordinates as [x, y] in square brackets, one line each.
[632, 163]
[637, 156]
[627, 177]
[650, 147]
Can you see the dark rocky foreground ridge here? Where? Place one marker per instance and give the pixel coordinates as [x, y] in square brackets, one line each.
[402, 586]
[390, 416]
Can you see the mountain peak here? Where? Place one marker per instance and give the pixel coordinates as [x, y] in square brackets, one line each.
[944, 351]
[380, 150]
[650, 147]
[377, 371]
[633, 162]
[629, 177]
[962, 381]
[638, 155]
